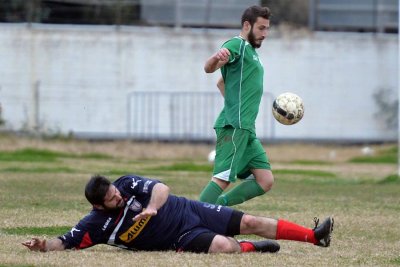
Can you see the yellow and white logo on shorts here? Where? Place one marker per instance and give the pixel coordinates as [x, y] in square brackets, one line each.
[134, 230]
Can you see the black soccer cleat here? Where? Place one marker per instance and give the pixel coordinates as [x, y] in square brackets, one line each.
[266, 246]
[322, 233]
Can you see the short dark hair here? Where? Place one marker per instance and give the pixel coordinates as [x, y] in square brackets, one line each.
[96, 189]
[252, 13]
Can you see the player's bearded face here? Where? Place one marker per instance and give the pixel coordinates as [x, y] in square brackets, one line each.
[113, 199]
[252, 39]
[258, 32]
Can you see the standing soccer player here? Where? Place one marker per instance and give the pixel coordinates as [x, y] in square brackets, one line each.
[239, 154]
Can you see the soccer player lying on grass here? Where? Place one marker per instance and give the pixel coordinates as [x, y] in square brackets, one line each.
[138, 213]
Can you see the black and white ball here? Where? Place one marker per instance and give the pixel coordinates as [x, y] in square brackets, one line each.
[288, 108]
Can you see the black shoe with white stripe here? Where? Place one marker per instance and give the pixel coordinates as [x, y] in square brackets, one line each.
[323, 232]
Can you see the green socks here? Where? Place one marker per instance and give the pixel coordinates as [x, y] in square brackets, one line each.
[239, 194]
[210, 193]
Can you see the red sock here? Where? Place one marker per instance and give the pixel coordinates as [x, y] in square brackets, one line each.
[291, 231]
[247, 246]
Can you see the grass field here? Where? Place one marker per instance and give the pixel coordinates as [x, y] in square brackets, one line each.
[41, 194]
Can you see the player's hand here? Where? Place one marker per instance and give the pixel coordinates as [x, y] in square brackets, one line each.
[222, 55]
[35, 244]
[145, 213]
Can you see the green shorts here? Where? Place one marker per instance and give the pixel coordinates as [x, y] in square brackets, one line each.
[237, 152]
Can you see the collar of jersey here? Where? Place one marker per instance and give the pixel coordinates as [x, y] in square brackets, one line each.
[241, 38]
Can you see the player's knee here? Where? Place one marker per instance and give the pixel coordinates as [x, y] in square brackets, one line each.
[264, 178]
[223, 244]
[221, 183]
[249, 222]
[267, 182]
[270, 182]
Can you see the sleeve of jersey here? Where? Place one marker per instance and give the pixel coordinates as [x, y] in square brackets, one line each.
[233, 46]
[136, 185]
[78, 237]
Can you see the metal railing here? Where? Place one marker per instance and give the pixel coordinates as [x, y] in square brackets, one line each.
[184, 116]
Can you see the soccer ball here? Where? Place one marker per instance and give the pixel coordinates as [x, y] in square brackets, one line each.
[288, 108]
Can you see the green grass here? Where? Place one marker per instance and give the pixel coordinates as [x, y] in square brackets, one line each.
[391, 179]
[92, 156]
[38, 170]
[395, 260]
[30, 155]
[36, 231]
[312, 173]
[185, 166]
[42, 155]
[388, 156]
[310, 162]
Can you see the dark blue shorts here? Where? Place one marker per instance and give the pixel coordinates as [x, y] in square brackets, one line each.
[203, 222]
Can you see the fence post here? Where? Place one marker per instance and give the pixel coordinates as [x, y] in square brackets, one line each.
[311, 14]
[36, 107]
[178, 14]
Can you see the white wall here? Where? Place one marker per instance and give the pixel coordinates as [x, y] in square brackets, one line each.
[84, 74]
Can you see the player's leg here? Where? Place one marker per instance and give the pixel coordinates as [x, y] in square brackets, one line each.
[225, 244]
[256, 182]
[216, 227]
[264, 178]
[215, 187]
[230, 147]
[210, 242]
[213, 190]
[260, 165]
[283, 229]
[246, 190]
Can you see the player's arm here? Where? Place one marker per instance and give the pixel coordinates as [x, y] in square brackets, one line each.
[159, 196]
[35, 244]
[216, 61]
[221, 86]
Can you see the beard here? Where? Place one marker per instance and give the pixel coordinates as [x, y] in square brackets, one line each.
[118, 206]
[252, 39]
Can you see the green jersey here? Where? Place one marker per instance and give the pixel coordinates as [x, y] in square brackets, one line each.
[243, 78]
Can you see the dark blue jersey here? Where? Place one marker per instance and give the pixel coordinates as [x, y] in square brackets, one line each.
[177, 222]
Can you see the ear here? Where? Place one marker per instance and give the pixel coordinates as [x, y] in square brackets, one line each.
[246, 27]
